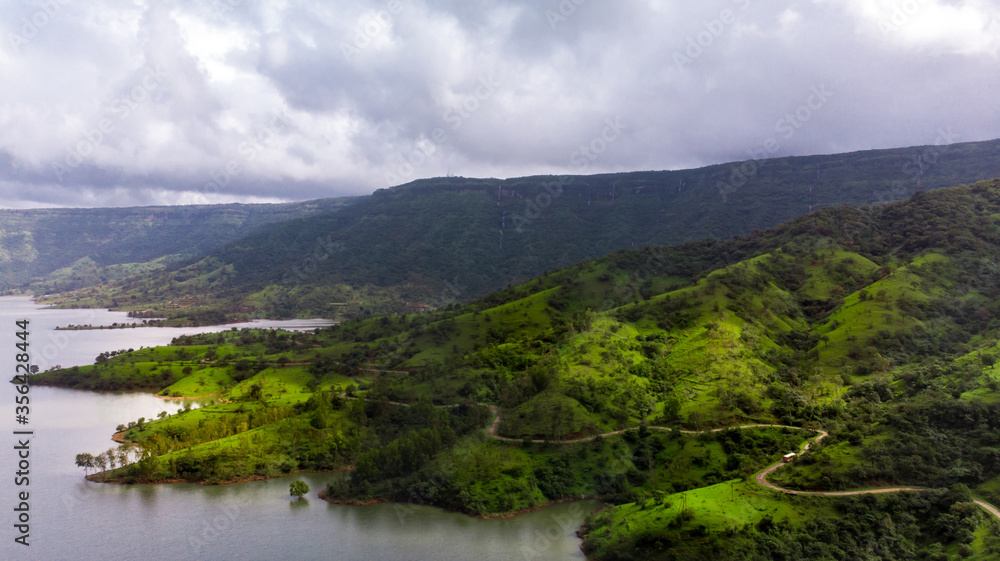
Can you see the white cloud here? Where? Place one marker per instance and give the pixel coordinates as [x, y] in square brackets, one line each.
[350, 116]
[966, 27]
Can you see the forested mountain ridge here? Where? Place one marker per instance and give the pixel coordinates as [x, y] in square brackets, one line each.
[60, 249]
[453, 239]
[880, 325]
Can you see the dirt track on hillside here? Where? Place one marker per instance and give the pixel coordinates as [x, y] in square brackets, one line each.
[761, 476]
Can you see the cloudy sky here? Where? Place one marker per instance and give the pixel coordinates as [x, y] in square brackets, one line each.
[111, 103]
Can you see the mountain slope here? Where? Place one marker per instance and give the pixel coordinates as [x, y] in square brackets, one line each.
[77, 247]
[447, 240]
[879, 325]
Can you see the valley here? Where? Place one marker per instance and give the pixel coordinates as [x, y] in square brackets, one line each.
[558, 280]
[447, 241]
[873, 325]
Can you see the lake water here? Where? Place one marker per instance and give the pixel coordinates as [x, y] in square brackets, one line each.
[75, 519]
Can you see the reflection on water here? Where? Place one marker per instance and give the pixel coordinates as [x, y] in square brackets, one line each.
[72, 518]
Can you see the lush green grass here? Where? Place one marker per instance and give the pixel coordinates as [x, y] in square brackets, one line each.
[670, 521]
[878, 325]
[266, 451]
[736, 520]
[279, 387]
[203, 382]
[828, 272]
[814, 471]
[876, 308]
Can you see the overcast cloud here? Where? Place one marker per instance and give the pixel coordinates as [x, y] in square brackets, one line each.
[110, 103]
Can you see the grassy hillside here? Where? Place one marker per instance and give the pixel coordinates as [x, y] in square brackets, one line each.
[56, 250]
[450, 240]
[880, 325]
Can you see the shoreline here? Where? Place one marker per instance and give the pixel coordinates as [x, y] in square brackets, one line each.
[105, 327]
[488, 516]
[184, 398]
[242, 479]
[119, 437]
[515, 513]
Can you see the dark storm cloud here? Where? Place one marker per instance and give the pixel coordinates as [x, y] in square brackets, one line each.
[236, 100]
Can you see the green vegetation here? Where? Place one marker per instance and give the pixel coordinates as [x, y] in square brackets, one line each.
[879, 325]
[736, 521]
[298, 488]
[449, 240]
[55, 250]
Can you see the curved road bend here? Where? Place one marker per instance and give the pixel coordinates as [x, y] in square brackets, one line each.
[761, 476]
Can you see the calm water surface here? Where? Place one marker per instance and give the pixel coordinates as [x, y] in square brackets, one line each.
[72, 518]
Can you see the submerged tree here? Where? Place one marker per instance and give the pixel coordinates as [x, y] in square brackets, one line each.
[298, 488]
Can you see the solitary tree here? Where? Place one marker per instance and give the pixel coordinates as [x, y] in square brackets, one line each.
[256, 391]
[86, 461]
[298, 488]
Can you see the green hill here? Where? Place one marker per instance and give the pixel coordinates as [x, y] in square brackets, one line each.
[450, 240]
[55, 250]
[879, 325]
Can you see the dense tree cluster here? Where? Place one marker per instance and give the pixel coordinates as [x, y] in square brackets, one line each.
[896, 527]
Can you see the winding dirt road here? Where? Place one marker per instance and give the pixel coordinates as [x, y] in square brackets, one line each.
[761, 476]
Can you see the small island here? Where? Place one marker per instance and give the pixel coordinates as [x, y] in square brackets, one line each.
[115, 325]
